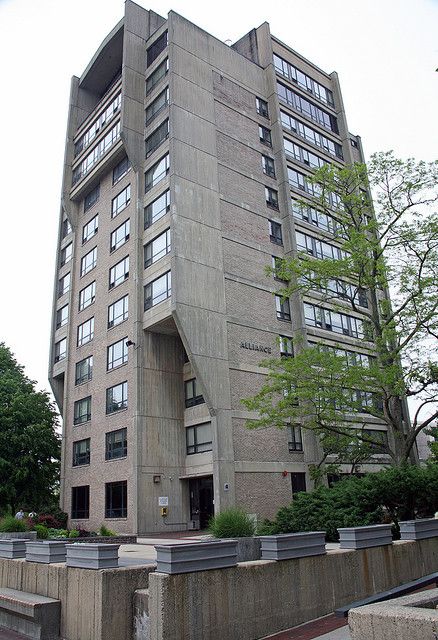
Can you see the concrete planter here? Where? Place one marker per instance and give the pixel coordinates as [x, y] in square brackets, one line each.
[199, 556]
[16, 535]
[10, 548]
[93, 555]
[375, 535]
[46, 551]
[293, 545]
[419, 529]
[248, 549]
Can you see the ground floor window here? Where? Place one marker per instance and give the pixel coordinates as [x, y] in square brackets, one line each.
[298, 482]
[80, 502]
[116, 494]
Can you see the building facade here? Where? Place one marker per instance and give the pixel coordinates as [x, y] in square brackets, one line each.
[184, 160]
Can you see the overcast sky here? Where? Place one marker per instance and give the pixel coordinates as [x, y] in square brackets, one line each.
[385, 52]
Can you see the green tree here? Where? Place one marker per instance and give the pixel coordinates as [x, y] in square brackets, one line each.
[392, 249]
[29, 443]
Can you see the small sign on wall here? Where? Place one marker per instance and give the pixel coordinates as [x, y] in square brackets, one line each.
[163, 501]
[252, 346]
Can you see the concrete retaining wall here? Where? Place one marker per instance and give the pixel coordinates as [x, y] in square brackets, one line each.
[259, 598]
[95, 605]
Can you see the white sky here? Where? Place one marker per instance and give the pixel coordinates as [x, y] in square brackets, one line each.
[385, 51]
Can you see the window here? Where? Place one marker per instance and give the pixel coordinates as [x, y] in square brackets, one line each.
[116, 445]
[299, 181]
[99, 123]
[191, 394]
[91, 198]
[156, 138]
[265, 136]
[66, 228]
[64, 285]
[275, 234]
[318, 248]
[89, 229]
[313, 216]
[121, 169]
[121, 201]
[60, 350]
[157, 209]
[82, 410]
[116, 499]
[298, 482]
[283, 308]
[157, 291]
[96, 154]
[157, 248]
[80, 502]
[89, 261]
[354, 143]
[300, 154]
[262, 107]
[66, 254]
[119, 273]
[198, 438]
[315, 316]
[62, 316]
[380, 437]
[277, 264]
[268, 166]
[156, 48]
[286, 346]
[118, 312]
[87, 296]
[81, 452]
[117, 397]
[85, 332]
[117, 354]
[293, 74]
[156, 173]
[160, 103]
[307, 108]
[271, 198]
[84, 370]
[120, 235]
[311, 135]
[157, 75]
[294, 438]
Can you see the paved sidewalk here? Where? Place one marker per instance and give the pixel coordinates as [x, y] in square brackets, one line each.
[327, 628]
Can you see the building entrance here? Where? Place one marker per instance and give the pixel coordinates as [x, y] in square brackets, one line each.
[201, 500]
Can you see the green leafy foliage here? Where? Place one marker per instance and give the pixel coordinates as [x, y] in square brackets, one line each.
[57, 533]
[74, 533]
[104, 531]
[29, 443]
[231, 523]
[42, 531]
[392, 495]
[396, 249]
[8, 524]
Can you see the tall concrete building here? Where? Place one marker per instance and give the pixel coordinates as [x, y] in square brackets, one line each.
[184, 160]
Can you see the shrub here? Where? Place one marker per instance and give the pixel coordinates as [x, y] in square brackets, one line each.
[231, 523]
[58, 533]
[49, 521]
[83, 533]
[104, 531]
[42, 531]
[9, 524]
[74, 533]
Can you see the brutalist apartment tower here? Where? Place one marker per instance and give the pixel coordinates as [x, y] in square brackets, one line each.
[184, 161]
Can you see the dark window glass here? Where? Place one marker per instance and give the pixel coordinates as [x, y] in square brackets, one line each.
[81, 452]
[160, 103]
[91, 198]
[80, 502]
[121, 169]
[84, 370]
[298, 482]
[262, 107]
[198, 438]
[156, 48]
[117, 397]
[157, 75]
[156, 138]
[82, 410]
[116, 444]
[265, 136]
[271, 198]
[275, 234]
[191, 393]
[116, 499]
[294, 438]
[268, 166]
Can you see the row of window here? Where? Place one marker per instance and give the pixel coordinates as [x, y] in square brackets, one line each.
[300, 181]
[116, 501]
[157, 75]
[116, 446]
[300, 154]
[311, 135]
[342, 323]
[293, 74]
[307, 108]
[98, 124]
[116, 400]
[155, 108]
[95, 155]
[319, 248]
